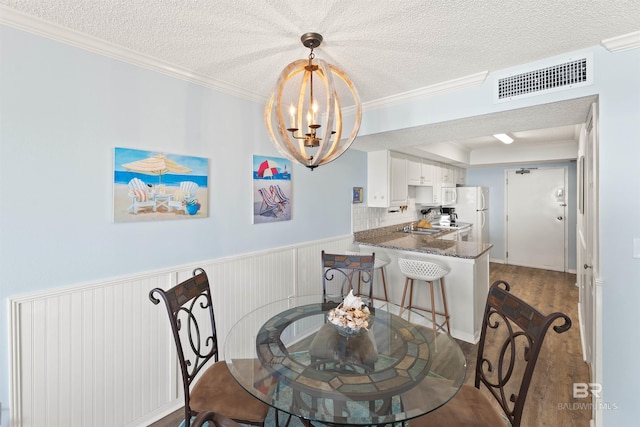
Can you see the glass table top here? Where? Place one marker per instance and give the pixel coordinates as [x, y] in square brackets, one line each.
[289, 356]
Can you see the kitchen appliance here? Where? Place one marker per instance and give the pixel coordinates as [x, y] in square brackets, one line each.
[449, 194]
[451, 213]
[472, 206]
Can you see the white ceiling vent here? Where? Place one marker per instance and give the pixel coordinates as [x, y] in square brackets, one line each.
[563, 74]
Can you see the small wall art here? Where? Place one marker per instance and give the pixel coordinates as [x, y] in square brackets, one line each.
[271, 189]
[152, 186]
[357, 194]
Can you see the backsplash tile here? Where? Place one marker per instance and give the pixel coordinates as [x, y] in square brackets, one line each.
[365, 218]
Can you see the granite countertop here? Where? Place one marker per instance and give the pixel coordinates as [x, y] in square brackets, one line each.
[393, 238]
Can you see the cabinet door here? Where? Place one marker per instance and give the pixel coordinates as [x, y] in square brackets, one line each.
[399, 187]
[426, 173]
[461, 176]
[414, 171]
[378, 179]
[446, 174]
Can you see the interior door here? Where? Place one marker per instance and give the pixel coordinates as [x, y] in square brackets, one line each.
[588, 260]
[536, 211]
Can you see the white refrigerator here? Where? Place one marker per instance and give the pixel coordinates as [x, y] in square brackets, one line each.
[472, 205]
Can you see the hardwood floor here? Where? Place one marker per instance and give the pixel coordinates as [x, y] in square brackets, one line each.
[560, 364]
[550, 400]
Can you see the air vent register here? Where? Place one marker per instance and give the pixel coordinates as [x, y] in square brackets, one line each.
[567, 74]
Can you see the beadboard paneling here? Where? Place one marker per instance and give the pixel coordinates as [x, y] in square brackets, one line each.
[102, 354]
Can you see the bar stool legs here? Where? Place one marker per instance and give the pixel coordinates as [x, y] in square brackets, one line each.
[429, 272]
[379, 264]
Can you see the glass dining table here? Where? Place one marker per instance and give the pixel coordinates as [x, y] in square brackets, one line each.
[289, 356]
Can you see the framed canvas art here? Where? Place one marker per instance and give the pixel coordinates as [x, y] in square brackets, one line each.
[152, 186]
[271, 189]
[357, 194]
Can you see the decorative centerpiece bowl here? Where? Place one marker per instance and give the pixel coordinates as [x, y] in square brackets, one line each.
[351, 317]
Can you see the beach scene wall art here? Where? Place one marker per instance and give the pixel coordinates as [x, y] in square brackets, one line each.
[154, 186]
[271, 189]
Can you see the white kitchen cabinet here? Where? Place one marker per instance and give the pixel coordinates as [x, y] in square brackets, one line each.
[461, 176]
[446, 174]
[414, 171]
[419, 172]
[387, 179]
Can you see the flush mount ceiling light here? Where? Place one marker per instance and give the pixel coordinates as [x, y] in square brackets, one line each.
[304, 114]
[504, 138]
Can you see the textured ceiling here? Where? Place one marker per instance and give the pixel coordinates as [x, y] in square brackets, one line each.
[386, 47]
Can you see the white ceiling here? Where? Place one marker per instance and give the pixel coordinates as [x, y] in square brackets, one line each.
[386, 47]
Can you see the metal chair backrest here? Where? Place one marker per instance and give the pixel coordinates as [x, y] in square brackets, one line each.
[340, 272]
[193, 325]
[515, 331]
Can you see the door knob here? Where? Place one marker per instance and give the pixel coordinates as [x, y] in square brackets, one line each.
[559, 218]
[586, 266]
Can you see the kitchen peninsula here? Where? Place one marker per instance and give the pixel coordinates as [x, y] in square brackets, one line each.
[466, 285]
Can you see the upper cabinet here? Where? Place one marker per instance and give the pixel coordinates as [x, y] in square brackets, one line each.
[387, 179]
[461, 176]
[389, 175]
[447, 175]
[419, 171]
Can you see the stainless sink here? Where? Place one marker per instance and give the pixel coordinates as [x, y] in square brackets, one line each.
[425, 231]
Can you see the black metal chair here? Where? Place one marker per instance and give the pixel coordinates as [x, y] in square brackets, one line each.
[211, 419]
[510, 342]
[339, 272]
[193, 325]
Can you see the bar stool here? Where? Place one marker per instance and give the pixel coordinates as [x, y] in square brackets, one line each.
[379, 264]
[429, 272]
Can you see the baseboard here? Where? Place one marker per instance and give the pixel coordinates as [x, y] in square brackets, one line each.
[157, 415]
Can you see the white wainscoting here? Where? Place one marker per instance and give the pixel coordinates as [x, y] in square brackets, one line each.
[102, 354]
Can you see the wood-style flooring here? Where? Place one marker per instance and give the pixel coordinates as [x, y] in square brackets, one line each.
[560, 364]
[550, 400]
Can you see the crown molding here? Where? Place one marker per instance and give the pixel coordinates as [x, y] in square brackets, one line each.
[427, 91]
[40, 27]
[623, 42]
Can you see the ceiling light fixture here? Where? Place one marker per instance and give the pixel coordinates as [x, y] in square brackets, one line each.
[504, 138]
[310, 93]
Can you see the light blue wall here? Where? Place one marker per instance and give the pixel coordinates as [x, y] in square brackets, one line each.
[494, 178]
[63, 110]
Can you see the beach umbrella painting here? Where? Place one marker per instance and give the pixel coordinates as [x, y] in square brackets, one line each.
[268, 168]
[156, 165]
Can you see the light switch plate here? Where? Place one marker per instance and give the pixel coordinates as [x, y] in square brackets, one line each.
[636, 248]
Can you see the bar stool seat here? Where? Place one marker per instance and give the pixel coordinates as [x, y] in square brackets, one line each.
[379, 264]
[429, 272]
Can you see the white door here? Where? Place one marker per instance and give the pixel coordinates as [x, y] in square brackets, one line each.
[536, 210]
[588, 255]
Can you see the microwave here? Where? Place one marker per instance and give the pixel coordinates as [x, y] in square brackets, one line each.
[449, 195]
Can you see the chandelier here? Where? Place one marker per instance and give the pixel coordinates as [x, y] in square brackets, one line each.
[304, 114]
